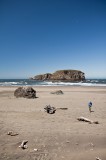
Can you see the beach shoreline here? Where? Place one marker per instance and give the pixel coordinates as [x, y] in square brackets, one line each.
[57, 136]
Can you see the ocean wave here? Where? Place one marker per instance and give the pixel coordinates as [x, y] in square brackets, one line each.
[10, 83]
[27, 82]
[69, 84]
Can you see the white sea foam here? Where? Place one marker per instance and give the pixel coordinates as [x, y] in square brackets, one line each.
[9, 83]
[70, 84]
[25, 82]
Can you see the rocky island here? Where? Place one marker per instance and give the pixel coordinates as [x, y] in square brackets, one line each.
[62, 75]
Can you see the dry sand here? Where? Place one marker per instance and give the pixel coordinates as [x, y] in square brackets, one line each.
[58, 136]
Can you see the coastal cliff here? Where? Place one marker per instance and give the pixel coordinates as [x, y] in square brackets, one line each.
[61, 75]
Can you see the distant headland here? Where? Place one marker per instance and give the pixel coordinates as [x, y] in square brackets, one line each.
[61, 75]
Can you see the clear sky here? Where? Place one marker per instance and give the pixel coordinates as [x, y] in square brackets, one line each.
[42, 36]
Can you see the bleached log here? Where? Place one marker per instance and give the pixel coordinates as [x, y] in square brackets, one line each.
[23, 144]
[87, 120]
[97, 158]
[11, 133]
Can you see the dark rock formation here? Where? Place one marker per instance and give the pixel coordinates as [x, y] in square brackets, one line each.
[25, 92]
[62, 75]
[43, 77]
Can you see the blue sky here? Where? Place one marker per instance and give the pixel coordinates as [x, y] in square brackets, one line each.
[42, 36]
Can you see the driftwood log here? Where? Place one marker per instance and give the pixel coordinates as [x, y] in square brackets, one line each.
[49, 109]
[97, 158]
[23, 144]
[87, 120]
[11, 133]
[62, 108]
[58, 92]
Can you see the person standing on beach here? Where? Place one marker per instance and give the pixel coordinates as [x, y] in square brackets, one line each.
[90, 105]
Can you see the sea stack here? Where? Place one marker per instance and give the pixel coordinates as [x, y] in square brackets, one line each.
[62, 75]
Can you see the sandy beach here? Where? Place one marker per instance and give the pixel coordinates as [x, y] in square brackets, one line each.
[58, 136]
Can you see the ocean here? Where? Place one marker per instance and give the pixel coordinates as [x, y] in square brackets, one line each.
[28, 82]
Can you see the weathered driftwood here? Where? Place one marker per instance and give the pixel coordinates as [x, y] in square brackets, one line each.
[97, 158]
[50, 109]
[64, 108]
[23, 144]
[11, 133]
[87, 120]
[35, 149]
[58, 92]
